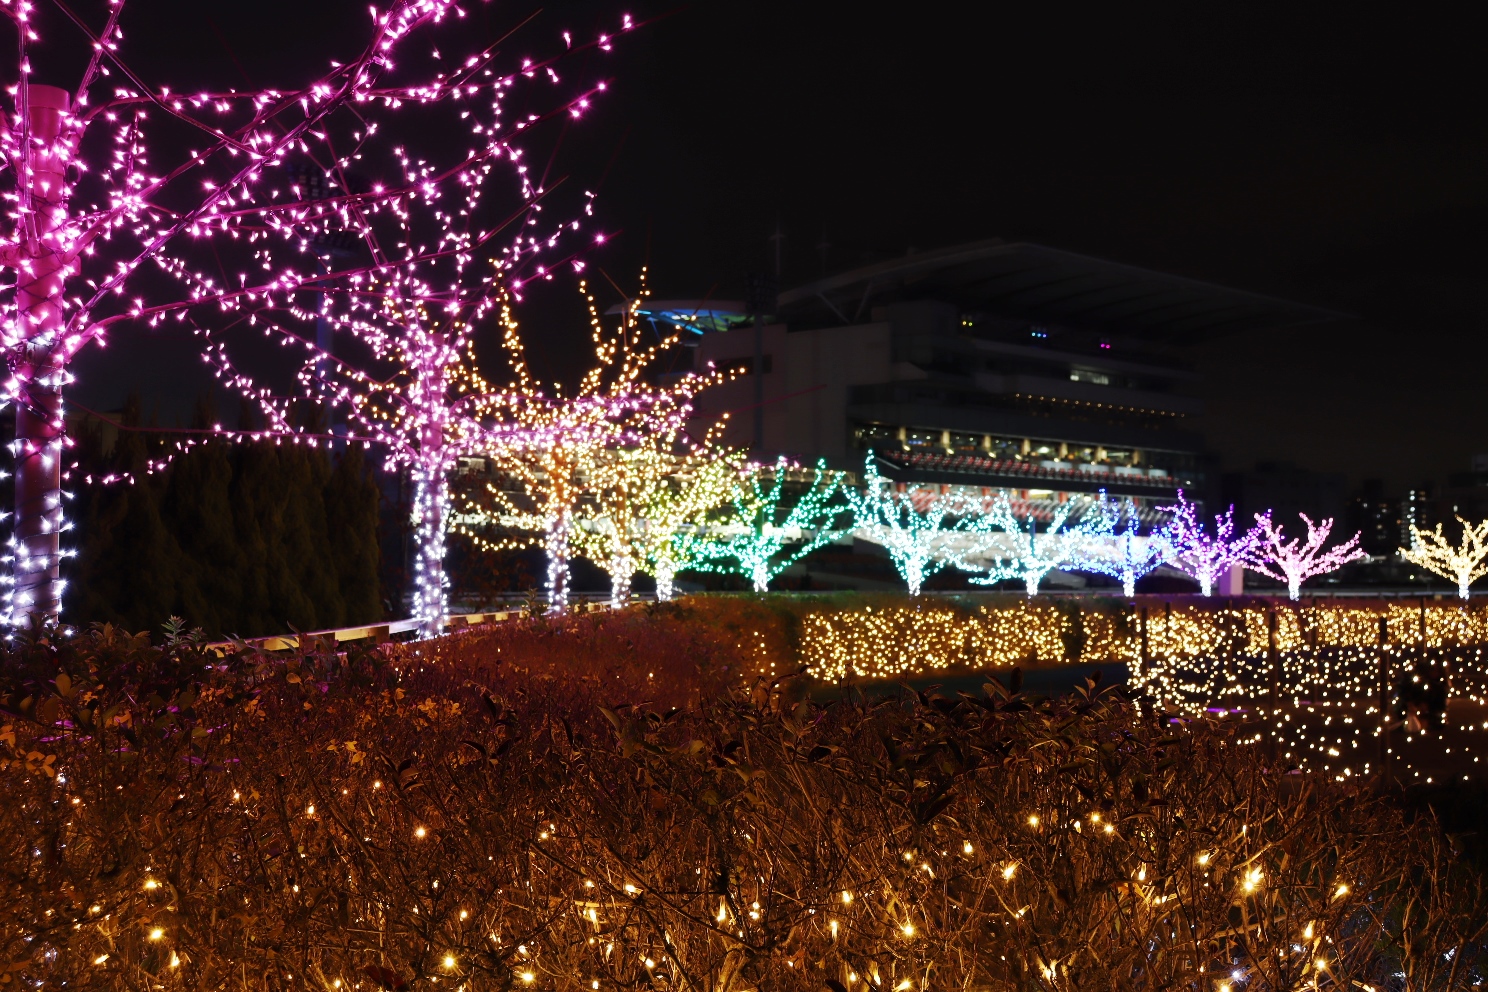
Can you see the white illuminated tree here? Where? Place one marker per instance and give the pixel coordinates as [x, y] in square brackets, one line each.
[921, 542]
[1024, 552]
[1464, 563]
[1200, 555]
[1295, 560]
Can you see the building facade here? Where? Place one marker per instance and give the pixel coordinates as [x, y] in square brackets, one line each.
[989, 365]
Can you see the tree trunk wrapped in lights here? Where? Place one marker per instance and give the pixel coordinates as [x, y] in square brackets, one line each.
[1203, 557]
[99, 219]
[1463, 563]
[1295, 560]
[921, 541]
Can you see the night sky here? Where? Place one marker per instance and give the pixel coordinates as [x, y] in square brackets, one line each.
[1327, 153]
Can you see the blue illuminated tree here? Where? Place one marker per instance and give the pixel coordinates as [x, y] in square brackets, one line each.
[1109, 542]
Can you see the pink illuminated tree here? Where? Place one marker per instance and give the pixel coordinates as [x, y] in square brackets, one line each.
[1200, 555]
[1294, 560]
[115, 183]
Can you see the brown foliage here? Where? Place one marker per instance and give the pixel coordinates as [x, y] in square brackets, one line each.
[398, 818]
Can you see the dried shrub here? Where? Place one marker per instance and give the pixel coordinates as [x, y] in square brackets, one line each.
[411, 819]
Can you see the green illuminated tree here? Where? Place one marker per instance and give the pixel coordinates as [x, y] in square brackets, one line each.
[757, 543]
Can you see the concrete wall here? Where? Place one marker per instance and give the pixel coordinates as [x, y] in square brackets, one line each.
[806, 389]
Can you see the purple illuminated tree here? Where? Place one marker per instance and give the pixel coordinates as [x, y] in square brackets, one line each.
[1201, 556]
[1296, 560]
[96, 219]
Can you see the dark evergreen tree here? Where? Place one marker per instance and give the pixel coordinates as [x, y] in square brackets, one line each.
[197, 507]
[306, 539]
[251, 539]
[351, 515]
[131, 565]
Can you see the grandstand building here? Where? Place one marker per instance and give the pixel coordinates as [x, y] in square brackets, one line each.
[988, 365]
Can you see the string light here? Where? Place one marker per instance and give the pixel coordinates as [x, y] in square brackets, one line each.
[1294, 561]
[1028, 554]
[614, 407]
[1107, 542]
[648, 502]
[920, 540]
[758, 545]
[1203, 557]
[92, 233]
[1464, 564]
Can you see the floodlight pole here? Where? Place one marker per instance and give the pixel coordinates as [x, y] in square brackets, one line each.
[762, 300]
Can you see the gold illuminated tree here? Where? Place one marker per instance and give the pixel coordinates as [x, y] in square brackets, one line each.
[614, 408]
[645, 503]
[1464, 564]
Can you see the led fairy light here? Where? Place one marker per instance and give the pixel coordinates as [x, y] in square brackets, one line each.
[1023, 552]
[646, 500]
[922, 536]
[1295, 560]
[1106, 541]
[675, 514]
[86, 229]
[756, 543]
[1464, 563]
[1201, 556]
[615, 406]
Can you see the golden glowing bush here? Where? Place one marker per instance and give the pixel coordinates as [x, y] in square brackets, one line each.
[418, 819]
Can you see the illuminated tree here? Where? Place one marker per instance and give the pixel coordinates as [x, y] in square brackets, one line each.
[759, 543]
[1294, 561]
[646, 502]
[1203, 557]
[1025, 553]
[614, 407]
[97, 221]
[1464, 564]
[920, 542]
[1108, 541]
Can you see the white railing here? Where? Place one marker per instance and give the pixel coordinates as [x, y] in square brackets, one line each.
[380, 633]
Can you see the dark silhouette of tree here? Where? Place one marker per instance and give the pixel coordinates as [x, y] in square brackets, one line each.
[250, 539]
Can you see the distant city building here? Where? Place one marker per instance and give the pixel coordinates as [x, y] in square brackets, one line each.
[1379, 520]
[1286, 490]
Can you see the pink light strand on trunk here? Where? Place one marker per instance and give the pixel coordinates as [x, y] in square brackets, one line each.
[38, 362]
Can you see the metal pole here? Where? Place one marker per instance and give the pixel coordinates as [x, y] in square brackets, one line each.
[1384, 694]
[759, 380]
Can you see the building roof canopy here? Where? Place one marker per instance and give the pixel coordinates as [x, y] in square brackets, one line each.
[1032, 282]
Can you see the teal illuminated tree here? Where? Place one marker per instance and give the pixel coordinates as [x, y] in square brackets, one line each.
[920, 542]
[757, 543]
[1023, 551]
[1108, 541]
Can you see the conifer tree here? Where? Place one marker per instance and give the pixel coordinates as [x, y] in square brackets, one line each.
[351, 515]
